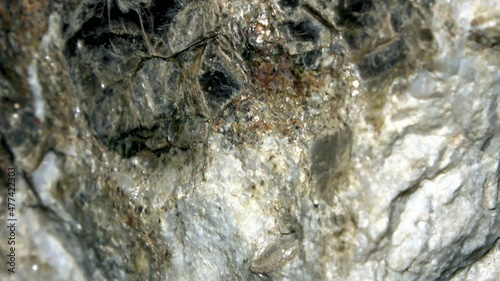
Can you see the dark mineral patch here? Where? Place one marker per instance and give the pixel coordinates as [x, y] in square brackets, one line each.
[380, 61]
[303, 30]
[289, 3]
[353, 13]
[400, 16]
[310, 58]
[383, 33]
[330, 156]
[130, 143]
[218, 85]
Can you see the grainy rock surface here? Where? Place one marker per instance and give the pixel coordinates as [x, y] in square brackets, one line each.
[251, 140]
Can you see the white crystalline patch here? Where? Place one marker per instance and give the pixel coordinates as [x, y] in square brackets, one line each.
[412, 155]
[36, 90]
[268, 143]
[232, 180]
[52, 252]
[52, 37]
[222, 171]
[45, 177]
[127, 183]
[411, 234]
[422, 86]
[443, 188]
[464, 107]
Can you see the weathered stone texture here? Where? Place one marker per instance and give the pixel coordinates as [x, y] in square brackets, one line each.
[251, 140]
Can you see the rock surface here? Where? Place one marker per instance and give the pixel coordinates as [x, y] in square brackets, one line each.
[251, 140]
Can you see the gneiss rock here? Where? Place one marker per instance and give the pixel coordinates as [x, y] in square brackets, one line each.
[252, 140]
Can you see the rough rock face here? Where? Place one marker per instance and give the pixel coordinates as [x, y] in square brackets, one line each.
[251, 140]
